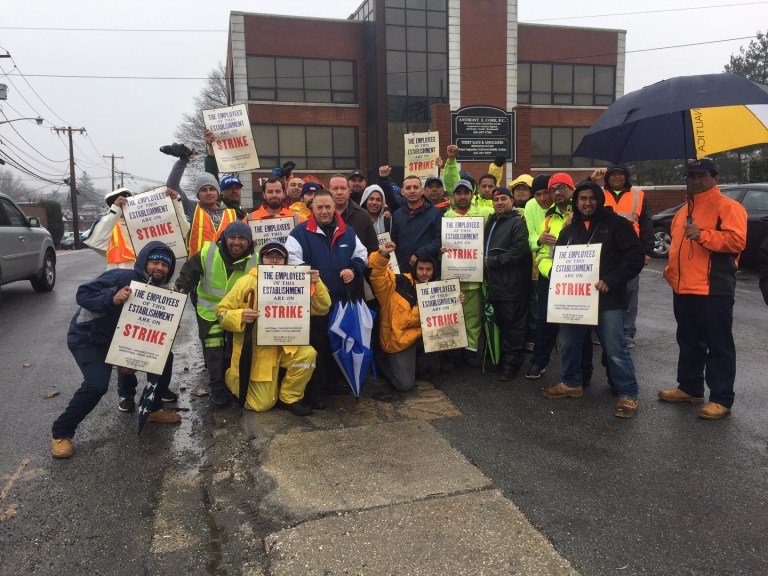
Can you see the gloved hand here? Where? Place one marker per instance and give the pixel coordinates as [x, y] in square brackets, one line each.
[500, 160]
[287, 169]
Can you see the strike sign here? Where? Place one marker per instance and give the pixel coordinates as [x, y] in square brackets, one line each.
[441, 315]
[283, 302]
[573, 298]
[234, 148]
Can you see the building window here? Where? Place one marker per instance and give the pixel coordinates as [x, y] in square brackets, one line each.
[365, 12]
[551, 147]
[301, 80]
[310, 147]
[565, 84]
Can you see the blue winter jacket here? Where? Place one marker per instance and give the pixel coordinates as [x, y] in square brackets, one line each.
[96, 320]
[308, 245]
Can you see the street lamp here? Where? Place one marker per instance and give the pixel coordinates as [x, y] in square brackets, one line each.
[39, 120]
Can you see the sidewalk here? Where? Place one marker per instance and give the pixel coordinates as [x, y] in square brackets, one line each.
[372, 488]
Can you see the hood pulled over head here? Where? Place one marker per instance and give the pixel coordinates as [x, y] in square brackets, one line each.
[155, 247]
[581, 187]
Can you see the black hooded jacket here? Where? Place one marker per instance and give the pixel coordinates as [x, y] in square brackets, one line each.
[508, 257]
[647, 238]
[621, 256]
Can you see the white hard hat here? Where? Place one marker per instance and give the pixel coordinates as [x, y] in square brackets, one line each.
[110, 197]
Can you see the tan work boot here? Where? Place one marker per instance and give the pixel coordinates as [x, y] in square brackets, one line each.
[62, 447]
[678, 395]
[562, 391]
[625, 407]
[714, 411]
[164, 417]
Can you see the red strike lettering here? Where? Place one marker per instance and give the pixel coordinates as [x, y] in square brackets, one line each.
[144, 334]
[414, 166]
[462, 253]
[442, 320]
[236, 142]
[284, 312]
[573, 288]
[154, 231]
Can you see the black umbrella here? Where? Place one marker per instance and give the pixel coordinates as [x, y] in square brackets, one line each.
[680, 118]
[246, 353]
[147, 399]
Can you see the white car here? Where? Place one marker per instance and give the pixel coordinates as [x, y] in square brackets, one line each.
[26, 248]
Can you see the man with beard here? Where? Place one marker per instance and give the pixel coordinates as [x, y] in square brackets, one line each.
[212, 272]
[274, 202]
[508, 266]
[357, 183]
[621, 258]
[293, 191]
[90, 334]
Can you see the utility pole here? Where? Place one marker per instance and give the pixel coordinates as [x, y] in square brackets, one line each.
[72, 187]
[113, 168]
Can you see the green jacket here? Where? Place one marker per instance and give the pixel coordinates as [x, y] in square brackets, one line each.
[473, 211]
[534, 218]
[555, 221]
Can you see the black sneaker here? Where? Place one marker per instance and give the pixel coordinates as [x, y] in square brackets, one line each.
[509, 373]
[126, 405]
[299, 408]
[176, 150]
[535, 371]
[169, 396]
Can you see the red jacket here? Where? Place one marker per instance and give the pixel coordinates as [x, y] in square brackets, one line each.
[707, 267]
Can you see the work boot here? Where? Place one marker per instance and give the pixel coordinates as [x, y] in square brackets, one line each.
[163, 417]
[714, 411]
[220, 397]
[562, 391]
[62, 447]
[298, 408]
[315, 399]
[508, 372]
[176, 150]
[677, 395]
[625, 408]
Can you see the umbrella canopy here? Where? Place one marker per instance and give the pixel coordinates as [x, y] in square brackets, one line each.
[147, 399]
[349, 331]
[683, 117]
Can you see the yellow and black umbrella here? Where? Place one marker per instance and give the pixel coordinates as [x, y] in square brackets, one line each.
[683, 117]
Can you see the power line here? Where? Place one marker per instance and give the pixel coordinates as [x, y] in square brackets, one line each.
[643, 12]
[25, 140]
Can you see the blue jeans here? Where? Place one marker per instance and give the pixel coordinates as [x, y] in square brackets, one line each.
[610, 328]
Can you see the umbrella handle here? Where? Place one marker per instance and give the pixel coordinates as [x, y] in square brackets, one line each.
[249, 298]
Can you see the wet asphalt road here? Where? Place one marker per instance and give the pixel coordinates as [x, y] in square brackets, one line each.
[665, 493]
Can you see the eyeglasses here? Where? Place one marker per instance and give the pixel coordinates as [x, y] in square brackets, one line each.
[558, 188]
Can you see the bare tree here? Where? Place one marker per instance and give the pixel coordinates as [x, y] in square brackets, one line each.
[12, 185]
[190, 131]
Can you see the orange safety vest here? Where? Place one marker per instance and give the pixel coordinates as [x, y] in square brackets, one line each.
[120, 250]
[629, 205]
[203, 231]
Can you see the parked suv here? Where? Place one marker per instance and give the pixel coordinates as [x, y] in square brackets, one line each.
[26, 248]
[754, 198]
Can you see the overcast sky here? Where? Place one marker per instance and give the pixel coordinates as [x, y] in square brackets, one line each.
[133, 117]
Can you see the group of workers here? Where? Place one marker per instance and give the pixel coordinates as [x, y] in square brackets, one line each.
[335, 233]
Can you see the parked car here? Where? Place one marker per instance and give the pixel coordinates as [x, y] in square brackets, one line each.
[67, 241]
[754, 198]
[26, 248]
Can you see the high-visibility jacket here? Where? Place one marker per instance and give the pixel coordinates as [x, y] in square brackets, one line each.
[120, 249]
[203, 230]
[707, 266]
[627, 204]
[261, 214]
[214, 283]
[555, 221]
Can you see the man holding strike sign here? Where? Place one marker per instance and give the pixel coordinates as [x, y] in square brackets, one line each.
[90, 334]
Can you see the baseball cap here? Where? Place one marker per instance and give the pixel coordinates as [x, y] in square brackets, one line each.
[357, 174]
[701, 165]
[466, 183]
[230, 181]
[431, 179]
[274, 247]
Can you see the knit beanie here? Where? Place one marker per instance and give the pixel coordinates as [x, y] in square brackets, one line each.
[237, 228]
[561, 178]
[206, 179]
[541, 182]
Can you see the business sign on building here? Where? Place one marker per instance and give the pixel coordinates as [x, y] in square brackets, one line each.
[482, 133]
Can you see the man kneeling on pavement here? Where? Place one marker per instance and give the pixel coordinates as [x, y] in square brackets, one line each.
[90, 335]
[264, 392]
[400, 332]
[621, 259]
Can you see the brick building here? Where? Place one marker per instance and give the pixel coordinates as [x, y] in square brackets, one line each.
[334, 95]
